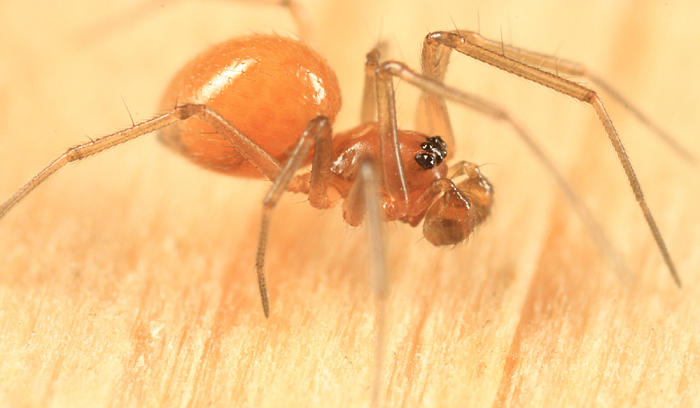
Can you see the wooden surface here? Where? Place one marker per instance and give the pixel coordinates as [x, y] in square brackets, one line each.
[127, 280]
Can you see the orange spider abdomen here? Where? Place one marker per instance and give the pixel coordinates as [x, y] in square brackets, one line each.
[268, 87]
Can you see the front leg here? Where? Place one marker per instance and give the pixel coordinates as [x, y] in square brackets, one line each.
[505, 58]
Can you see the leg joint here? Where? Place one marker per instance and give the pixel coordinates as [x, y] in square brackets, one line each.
[188, 110]
[390, 68]
[74, 153]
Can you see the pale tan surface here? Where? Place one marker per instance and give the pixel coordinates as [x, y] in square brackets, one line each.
[128, 279]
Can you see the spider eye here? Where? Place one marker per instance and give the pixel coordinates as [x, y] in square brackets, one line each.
[435, 152]
[425, 160]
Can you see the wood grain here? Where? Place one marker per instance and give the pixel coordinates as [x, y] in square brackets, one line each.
[127, 280]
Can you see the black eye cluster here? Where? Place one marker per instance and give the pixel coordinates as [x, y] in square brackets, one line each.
[435, 152]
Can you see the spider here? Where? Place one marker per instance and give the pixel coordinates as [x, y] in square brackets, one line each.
[263, 106]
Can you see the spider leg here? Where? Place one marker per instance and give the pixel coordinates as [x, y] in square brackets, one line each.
[251, 151]
[364, 199]
[431, 113]
[317, 133]
[393, 178]
[299, 14]
[435, 55]
[494, 111]
[302, 20]
[107, 26]
[472, 45]
[369, 90]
